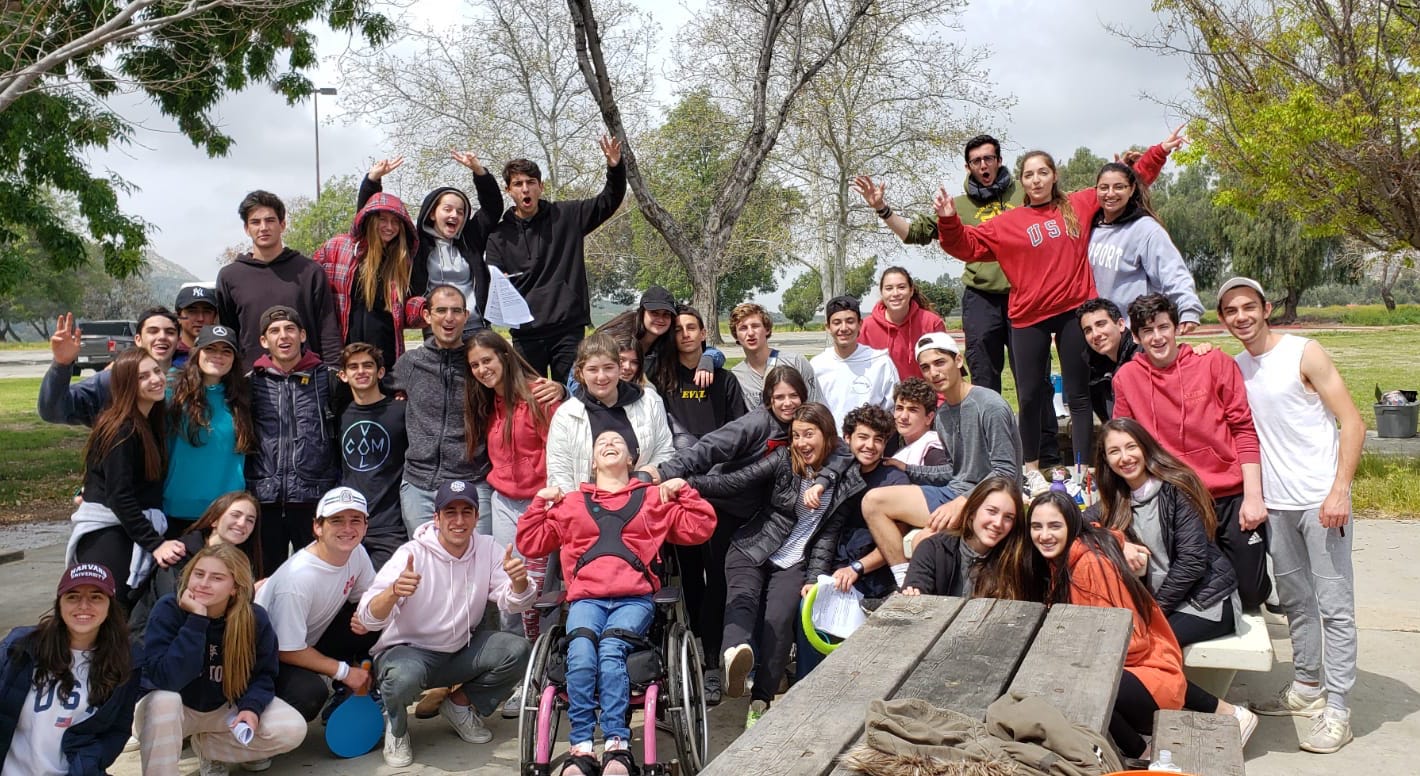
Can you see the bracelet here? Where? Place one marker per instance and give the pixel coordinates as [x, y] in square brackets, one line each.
[342, 671]
[885, 213]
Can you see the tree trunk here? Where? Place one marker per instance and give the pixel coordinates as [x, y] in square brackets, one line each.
[705, 293]
[1289, 307]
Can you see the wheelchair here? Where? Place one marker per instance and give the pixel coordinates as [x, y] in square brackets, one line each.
[666, 672]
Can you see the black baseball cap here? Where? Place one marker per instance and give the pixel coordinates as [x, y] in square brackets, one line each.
[453, 492]
[657, 298]
[211, 335]
[192, 295]
[279, 312]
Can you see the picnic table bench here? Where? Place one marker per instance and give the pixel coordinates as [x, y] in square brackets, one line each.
[951, 652]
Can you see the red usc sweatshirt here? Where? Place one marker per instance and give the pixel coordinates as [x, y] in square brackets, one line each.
[1049, 270]
[1197, 409]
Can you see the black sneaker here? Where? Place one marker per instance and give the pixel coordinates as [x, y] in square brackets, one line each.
[714, 687]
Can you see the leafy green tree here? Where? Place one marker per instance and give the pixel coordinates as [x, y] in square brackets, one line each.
[944, 293]
[1307, 108]
[61, 60]
[1272, 248]
[309, 223]
[1079, 171]
[802, 299]
[1184, 202]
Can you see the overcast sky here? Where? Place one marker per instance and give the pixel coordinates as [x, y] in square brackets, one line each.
[1074, 84]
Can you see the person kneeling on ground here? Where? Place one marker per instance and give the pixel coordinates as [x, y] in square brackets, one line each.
[610, 586]
[429, 629]
[210, 663]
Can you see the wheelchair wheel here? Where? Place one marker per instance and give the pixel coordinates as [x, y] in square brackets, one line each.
[686, 701]
[535, 681]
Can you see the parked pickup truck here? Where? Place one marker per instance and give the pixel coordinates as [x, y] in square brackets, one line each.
[100, 342]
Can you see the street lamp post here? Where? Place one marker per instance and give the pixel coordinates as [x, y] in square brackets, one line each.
[328, 91]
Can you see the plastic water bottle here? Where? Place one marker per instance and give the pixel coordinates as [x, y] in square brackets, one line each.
[1057, 480]
[1164, 762]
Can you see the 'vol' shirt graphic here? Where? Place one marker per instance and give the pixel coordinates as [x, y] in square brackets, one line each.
[373, 441]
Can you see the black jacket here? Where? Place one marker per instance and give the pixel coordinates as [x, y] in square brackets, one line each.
[118, 481]
[294, 416]
[246, 288]
[735, 445]
[1198, 571]
[765, 533]
[936, 565]
[470, 242]
[544, 260]
[1102, 376]
[90, 746]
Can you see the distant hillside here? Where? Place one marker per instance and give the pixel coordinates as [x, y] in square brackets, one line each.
[164, 278]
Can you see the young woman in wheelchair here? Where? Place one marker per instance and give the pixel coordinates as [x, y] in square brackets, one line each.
[780, 552]
[608, 533]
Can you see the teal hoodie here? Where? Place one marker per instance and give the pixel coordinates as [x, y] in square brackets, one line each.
[197, 475]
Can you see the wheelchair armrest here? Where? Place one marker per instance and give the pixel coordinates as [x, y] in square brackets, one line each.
[550, 600]
[666, 596]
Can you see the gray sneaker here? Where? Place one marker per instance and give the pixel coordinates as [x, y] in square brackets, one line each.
[714, 686]
[1035, 483]
[513, 707]
[1290, 703]
[1331, 731]
[464, 720]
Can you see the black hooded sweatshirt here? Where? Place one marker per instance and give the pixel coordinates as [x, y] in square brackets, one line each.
[469, 242]
[248, 287]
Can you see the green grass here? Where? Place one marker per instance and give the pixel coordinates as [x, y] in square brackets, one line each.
[1386, 486]
[1351, 315]
[39, 462]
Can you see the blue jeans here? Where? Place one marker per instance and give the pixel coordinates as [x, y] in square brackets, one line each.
[597, 671]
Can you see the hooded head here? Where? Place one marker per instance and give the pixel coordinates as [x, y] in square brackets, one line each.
[444, 213]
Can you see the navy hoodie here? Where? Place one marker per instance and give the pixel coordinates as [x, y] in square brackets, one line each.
[183, 654]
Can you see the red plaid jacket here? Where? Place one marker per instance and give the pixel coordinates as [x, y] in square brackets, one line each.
[341, 254]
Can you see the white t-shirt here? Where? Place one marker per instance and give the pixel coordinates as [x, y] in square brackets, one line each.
[865, 377]
[304, 595]
[44, 719]
[915, 454]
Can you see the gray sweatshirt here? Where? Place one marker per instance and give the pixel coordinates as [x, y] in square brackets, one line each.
[980, 437]
[1137, 257]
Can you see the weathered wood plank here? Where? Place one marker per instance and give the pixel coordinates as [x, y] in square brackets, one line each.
[973, 662]
[1201, 744]
[1075, 662]
[808, 727]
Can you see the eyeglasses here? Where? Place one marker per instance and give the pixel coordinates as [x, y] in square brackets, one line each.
[980, 160]
[448, 310]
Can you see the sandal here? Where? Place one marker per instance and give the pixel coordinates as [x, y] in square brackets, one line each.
[622, 757]
[585, 764]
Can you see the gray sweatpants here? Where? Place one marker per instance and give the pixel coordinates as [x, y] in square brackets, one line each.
[1317, 589]
[488, 669]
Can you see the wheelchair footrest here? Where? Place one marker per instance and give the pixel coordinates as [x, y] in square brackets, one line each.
[666, 596]
[654, 769]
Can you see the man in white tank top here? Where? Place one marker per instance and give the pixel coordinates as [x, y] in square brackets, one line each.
[1297, 399]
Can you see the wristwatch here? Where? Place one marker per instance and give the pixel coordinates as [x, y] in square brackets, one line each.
[857, 567]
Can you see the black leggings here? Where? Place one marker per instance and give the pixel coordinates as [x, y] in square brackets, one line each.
[111, 548]
[1133, 715]
[702, 570]
[1191, 629]
[306, 690]
[1030, 347]
[1246, 550]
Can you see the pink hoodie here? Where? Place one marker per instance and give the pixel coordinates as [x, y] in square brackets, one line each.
[1197, 408]
[448, 605]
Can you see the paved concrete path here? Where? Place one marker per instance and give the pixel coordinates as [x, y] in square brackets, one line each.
[1385, 716]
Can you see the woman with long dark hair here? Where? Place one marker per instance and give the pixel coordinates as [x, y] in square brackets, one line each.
[948, 563]
[120, 523]
[68, 684]
[1131, 254]
[1042, 249]
[781, 552]
[210, 663]
[900, 317]
[210, 429]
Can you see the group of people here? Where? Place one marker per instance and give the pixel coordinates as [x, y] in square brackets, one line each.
[283, 506]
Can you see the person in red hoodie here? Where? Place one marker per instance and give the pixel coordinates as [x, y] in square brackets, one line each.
[1196, 406]
[609, 533]
[501, 412]
[901, 316]
[1043, 249]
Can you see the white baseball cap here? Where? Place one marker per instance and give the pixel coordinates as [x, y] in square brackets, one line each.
[340, 499]
[937, 340]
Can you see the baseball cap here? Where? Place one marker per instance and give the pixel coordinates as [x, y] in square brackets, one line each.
[841, 303]
[453, 492]
[211, 335]
[937, 340]
[192, 295]
[340, 499]
[657, 298]
[1240, 282]
[278, 312]
[81, 574]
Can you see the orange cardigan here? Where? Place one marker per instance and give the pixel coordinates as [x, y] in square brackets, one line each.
[1154, 656]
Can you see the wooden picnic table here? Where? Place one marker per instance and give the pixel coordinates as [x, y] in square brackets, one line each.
[951, 652]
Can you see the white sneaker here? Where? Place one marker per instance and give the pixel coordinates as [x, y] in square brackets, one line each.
[1247, 723]
[1331, 732]
[513, 707]
[1290, 703]
[739, 661]
[1035, 483]
[398, 752]
[132, 745]
[464, 720]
